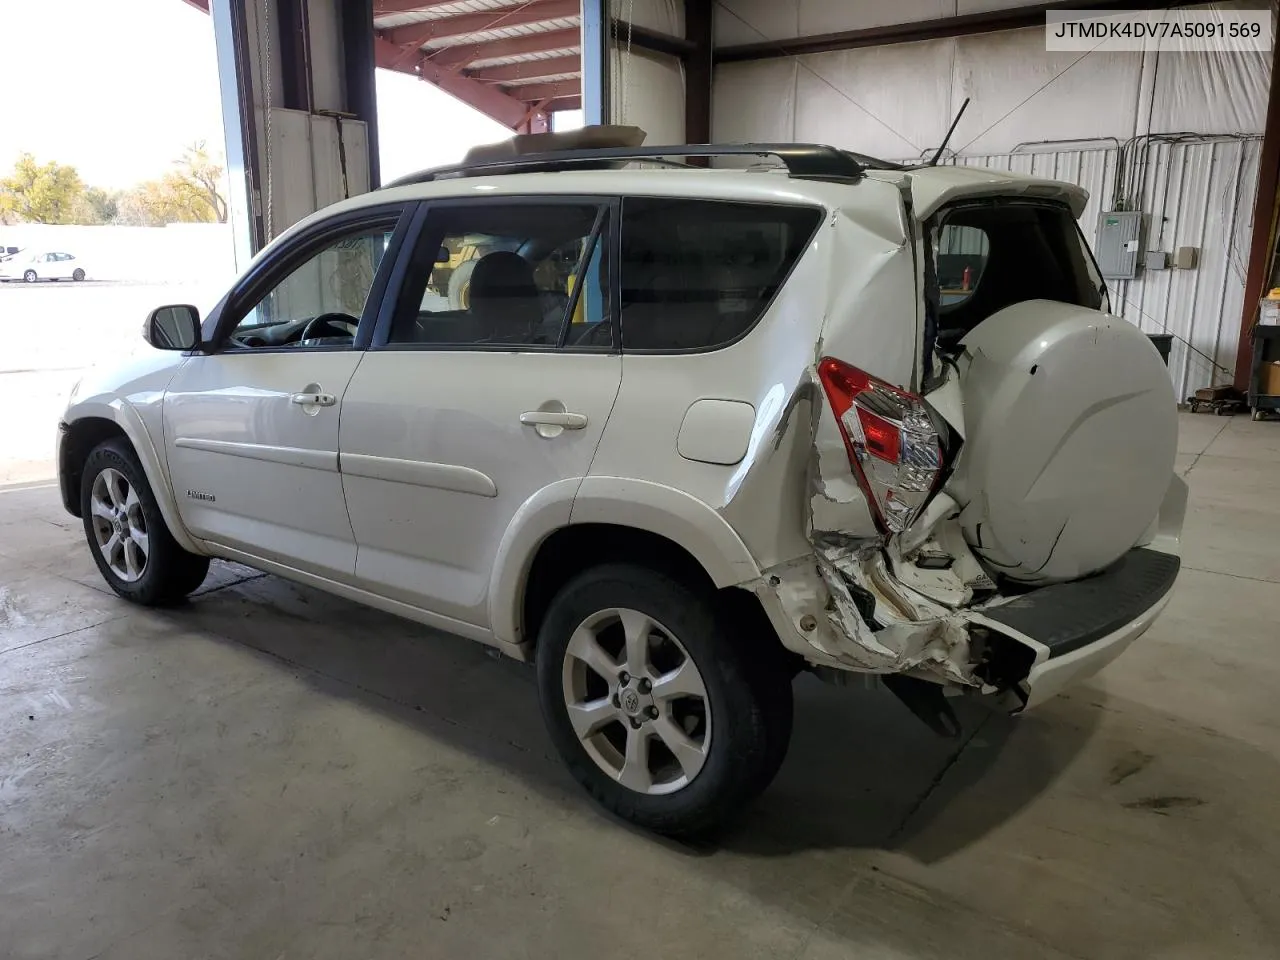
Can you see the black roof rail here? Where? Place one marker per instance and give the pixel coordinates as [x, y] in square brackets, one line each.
[809, 161]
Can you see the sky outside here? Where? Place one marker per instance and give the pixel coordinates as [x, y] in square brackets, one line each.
[116, 88]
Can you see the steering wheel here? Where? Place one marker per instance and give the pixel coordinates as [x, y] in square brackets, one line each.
[330, 325]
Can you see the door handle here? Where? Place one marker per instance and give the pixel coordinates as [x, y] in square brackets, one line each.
[313, 399]
[554, 418]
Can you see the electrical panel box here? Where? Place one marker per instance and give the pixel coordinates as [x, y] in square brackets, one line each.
[1156, 260]
[1119, 243]
[1185, 258]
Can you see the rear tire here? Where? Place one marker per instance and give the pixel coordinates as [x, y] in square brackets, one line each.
[614, 650]
[130, 542]
[30, 276]
[77, 274]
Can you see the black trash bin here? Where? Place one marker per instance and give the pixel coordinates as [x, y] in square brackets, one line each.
[1163, 343]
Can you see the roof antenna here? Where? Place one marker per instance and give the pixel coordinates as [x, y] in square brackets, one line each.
[950, 130]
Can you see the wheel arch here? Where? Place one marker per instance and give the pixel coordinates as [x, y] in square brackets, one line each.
[568, 526]
[94, 423]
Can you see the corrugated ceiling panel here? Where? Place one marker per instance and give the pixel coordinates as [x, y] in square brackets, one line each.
[501, 33]
[446, 10]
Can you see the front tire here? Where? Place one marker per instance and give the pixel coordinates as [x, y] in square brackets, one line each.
[30, 276]
[77, 274]
[130, 542]
[666, 714]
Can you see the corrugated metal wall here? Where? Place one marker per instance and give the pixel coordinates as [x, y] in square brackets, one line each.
[1198, 192]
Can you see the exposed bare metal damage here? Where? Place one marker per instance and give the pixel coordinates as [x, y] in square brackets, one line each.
[866, 602]
[857, 604]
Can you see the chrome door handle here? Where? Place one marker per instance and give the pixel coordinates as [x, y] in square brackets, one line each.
[313, 399]
[553, 418]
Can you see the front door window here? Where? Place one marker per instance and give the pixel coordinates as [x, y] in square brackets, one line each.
[319, 303]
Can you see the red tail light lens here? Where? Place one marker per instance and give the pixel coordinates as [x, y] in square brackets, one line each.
[894, 448]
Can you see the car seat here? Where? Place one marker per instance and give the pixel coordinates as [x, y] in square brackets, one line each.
[504, 298]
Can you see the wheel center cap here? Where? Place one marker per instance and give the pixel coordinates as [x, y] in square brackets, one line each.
[630, 702]
[120, 528]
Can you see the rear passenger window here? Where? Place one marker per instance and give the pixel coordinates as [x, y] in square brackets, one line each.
[698, 274]
[508, 274]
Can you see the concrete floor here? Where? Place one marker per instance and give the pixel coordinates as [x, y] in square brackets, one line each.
[272, 773]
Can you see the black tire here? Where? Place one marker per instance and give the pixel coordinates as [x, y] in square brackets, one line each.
[170, 572]
[77, 274]
[30, 276]
[748, 687]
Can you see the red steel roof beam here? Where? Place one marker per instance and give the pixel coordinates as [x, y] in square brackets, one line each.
[532, 92]
[528, 69]
[461, 54]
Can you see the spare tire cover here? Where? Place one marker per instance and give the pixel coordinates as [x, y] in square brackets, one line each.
[1071, 430]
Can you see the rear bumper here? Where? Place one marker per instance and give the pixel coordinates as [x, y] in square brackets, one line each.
[1054, 675]
[1075, 629]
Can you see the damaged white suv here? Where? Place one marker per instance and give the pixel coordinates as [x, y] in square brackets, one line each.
[674, 433]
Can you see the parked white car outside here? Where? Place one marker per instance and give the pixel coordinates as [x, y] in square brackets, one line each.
[673, 434]
[42, 266]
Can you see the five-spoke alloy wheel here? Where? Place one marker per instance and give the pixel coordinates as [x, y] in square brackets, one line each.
[119, 526]
[133, 548]
[670, 711]
[637, 702]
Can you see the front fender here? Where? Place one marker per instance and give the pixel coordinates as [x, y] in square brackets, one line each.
[136, 410]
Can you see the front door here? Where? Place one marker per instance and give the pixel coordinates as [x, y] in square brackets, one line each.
[490, 380]
[251, 429]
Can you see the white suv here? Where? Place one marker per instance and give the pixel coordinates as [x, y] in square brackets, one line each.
[673, 433]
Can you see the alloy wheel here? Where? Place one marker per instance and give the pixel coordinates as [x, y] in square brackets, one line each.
[636, 701]
[119, 526]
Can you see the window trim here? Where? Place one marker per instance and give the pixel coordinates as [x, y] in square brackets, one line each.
[380, 340]
[823, 212]
[273, 269]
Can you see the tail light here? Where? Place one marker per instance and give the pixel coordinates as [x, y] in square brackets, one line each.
[894, 448]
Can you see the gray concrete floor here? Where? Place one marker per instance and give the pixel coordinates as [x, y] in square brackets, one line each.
[270, 772]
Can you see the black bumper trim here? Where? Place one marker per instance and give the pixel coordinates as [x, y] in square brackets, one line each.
[1068, 616]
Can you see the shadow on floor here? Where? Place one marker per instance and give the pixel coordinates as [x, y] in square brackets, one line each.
[858, 773]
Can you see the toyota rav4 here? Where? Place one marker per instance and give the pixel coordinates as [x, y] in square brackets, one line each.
[674, 434]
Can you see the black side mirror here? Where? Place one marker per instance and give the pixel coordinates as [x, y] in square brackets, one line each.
[175, 327]
[443, 255]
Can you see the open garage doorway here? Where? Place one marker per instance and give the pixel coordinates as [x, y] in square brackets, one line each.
[112, 201]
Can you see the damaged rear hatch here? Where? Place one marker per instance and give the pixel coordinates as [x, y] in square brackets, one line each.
[1008, 519]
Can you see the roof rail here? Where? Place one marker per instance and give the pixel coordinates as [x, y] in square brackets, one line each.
[809, 161]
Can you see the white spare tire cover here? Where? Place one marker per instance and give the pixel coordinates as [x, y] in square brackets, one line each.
[1071, 431]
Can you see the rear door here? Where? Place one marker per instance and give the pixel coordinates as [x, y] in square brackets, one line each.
[491, 377]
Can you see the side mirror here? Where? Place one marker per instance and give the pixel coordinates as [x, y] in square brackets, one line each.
[175, 327]
[443, 255]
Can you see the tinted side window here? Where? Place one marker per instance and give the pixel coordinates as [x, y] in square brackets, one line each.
[697, 274]
[507, 274]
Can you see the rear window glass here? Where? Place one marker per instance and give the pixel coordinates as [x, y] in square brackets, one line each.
[697, 274]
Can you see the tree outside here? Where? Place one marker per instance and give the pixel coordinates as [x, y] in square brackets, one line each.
[41, 193]
[193, 192]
